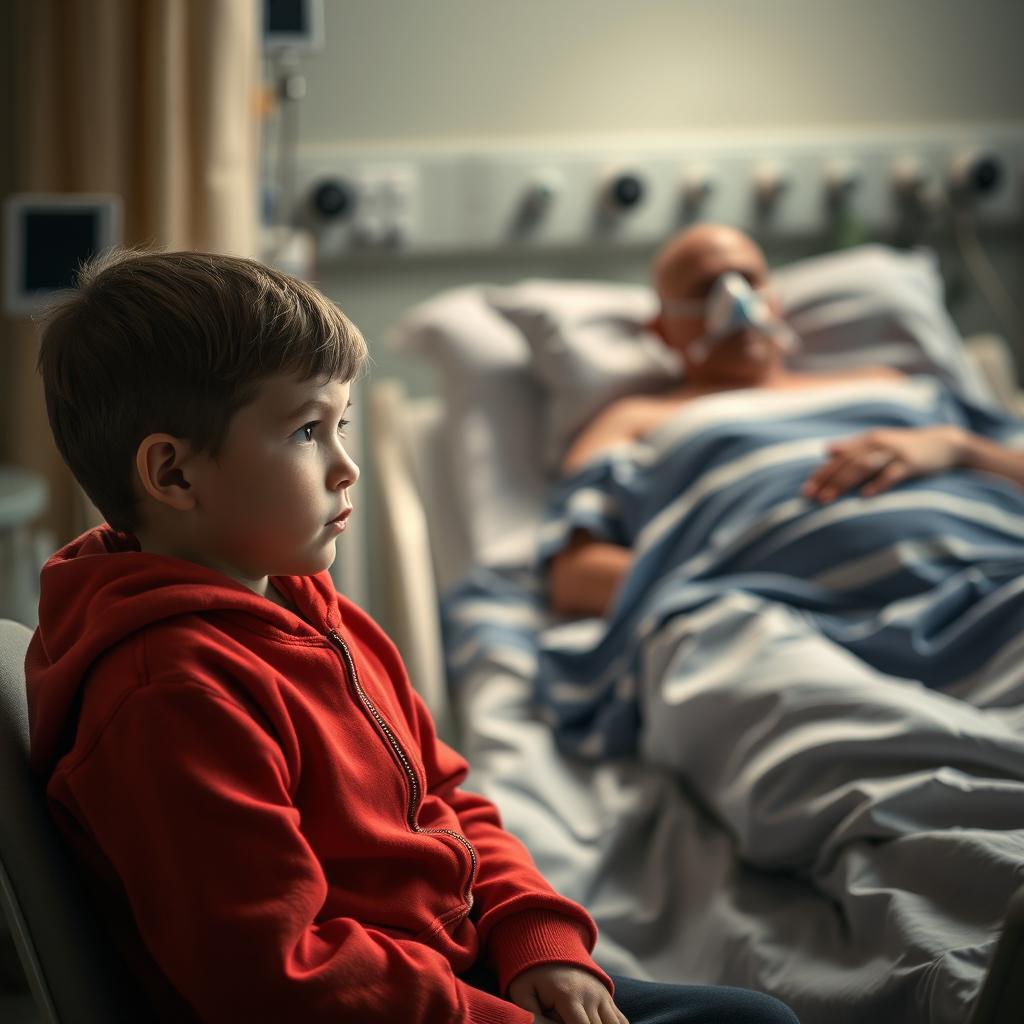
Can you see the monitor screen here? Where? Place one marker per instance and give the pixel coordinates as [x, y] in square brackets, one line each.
[48, 237]
[285, 16]
[55, 244]
[293, 25]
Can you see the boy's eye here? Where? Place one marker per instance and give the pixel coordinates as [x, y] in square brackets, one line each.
[306, 430]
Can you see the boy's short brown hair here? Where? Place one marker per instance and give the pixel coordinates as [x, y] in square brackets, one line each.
[175, 342]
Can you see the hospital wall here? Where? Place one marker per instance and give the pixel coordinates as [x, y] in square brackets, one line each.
[477, 72]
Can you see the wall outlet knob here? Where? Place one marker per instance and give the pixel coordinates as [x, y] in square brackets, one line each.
[698, 186]
[908, 178]
[624, 190]
[842, 178]
[975, 173]
[541, 191]
[332, 199]
[771, 183]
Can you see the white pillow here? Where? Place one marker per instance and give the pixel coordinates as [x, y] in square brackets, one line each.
[874, 304]
[493, 423]
[856, 307]
[590, 345]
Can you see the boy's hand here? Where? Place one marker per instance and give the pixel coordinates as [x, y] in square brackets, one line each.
[569, 995]
[880, 459]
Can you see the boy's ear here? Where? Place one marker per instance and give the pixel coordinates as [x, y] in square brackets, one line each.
[160, 461]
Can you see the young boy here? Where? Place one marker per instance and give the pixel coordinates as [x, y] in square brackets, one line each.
[232, 749]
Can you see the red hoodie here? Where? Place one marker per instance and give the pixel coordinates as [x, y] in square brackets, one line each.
[263, 806]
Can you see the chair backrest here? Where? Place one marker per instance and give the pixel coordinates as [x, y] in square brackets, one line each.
[72, 970]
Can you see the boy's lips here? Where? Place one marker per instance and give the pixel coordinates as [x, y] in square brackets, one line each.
[341, 516]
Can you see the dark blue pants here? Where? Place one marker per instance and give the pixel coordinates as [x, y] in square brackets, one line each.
[650, 1002]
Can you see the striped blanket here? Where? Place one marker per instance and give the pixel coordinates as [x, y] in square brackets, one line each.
[841, 687]
[924, 582]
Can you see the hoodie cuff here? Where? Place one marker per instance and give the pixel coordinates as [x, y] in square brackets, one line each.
[534, 937]
[482, 1008]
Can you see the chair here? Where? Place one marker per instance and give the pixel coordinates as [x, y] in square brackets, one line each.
[23, 496]
[73, 974]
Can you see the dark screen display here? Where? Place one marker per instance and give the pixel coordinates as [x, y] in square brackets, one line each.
[56, 242]
[284, 16]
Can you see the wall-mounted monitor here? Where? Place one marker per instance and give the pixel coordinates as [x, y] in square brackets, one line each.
[47, 237]
[295, 25]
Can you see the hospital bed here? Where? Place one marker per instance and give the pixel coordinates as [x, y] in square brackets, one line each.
[461, 478]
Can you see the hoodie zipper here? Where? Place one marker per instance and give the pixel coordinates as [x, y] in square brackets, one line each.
[403, 758]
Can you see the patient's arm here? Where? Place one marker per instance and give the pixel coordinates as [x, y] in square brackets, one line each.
[622, 421]
[880, 459]
[584, 576]
[992, 457]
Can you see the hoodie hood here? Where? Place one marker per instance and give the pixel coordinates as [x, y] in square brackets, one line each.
[101, 588]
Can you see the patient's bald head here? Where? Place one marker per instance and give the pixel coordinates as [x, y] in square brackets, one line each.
[685, 269]
[688, 264]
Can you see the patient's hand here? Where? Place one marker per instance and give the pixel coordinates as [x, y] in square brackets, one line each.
[879, 459]
[564, 993]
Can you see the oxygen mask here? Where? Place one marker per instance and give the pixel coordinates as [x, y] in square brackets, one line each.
[732, 305]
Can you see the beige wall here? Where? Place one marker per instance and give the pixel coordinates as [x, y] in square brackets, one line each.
[405, 71]
[437, 69]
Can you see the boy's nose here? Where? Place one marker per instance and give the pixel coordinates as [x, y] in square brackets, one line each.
[345, 471]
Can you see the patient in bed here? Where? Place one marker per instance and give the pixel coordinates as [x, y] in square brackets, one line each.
[798, 596]
[719, 314]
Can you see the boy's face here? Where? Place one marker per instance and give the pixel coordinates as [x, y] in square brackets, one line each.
[270, 503]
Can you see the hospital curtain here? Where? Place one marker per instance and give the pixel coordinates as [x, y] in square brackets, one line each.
[155, 100]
